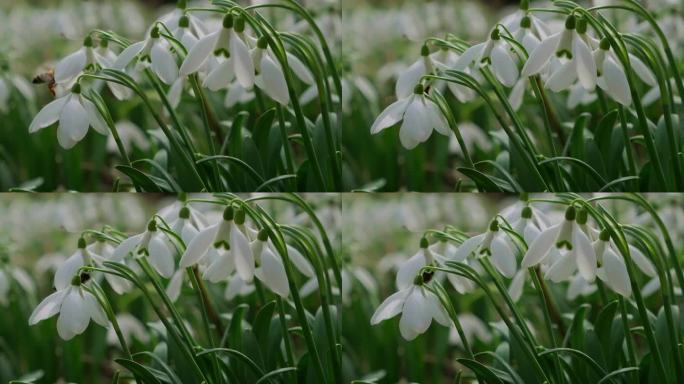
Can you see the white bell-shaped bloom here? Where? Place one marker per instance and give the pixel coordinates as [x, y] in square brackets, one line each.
[409, 78]
[75, 114]
[151, 243]
[76, 63]
[579, 287]
[231, 244]
[417, 305]
[270, 268]
[612, 77]
[76, 307]
[495, 53]
[100, 252]
[443, 252]
[575, 60]
[495, 244]
[131, 328]
[237, 94]
[580, 96]
[653, 285]
[568, 236]
[227, 43]
[69, 268]
[612, 269]
[237, 287]
[153, 51]
[408, 270]
[420, 115]
[270, 78]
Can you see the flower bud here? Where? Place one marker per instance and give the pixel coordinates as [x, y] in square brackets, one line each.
[582, 216]
[81, 243]
[605, 44]
[604, 235]
[423, 242]
[228, 213]
[262, 43]
[240, 24]
[494, 225]
[104, 43]
[582, 26]
[182, 4]
[495, 35]
[570, 213]
[239, 216]
[526, 213]
[526, 22]
[418, 89]
[524, 5]
[424, 50]
[263, 235]
[76, 280]
[154, 33]
[88, 41]
[184, 213]
[184, 21]
[76, 88]
[228, 21]
[152, 225]
[571, 22]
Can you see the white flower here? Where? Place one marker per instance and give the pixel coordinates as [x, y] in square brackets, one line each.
[270, 269]
[227, 43]
[417, 305]
[130, 327]
[612, 78]
[574, 58]
[495, 244]
[152, 51]
[85, 58]
[420, 116]
[69, 268]
[75, 306]
[237, 287]
[75, 114]
[569, 236]
[237, 94]
[495, 53]
[611, 267]
[270, 76]
[579, 287]
[151, 243]
[407, 79]
[230, 245]
[580, 96]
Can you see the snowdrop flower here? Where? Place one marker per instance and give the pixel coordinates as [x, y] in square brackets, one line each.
[76, 307]
[612, 77]
[527, 225]
[131, 328]
[579, 287]
[84, 59]
[580, 96]
[420, 115]
[237, 94]
[229, 245]
[494, 244]
[186, 228]
[75, 114]
[574, 58]
[69, 268]
[417, 305]
[270, 269]
[611, 267]
[237, 287]
[408, 270]
[153, 51]
[270, 76]
[567, 236]
[407, 79]
[228, 44]
[179, 19]
[151, 243]
[654, 285]
[473, 328]
[495, 53]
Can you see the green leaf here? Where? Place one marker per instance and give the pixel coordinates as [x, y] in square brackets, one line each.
[139, 370]
[485, 183]
[275, 373]
[139, 178]
[486, 373]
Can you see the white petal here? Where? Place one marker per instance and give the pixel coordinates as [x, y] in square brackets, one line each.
[586, 67]
[220, 269]
[160, 256]
[299, 69]
[391, 307]
[126, 247]
[616, 82]
[437, 310]
[74, 315]
[275, 85]
[173, 290]
[242, 253]
[541, 55]
[563, 77]
[408, 79]
[300, 262]
[242, 61]
[642, 70]
[515, 290]
[94, 309]
[274, 276]
[562, 269]
[198, 54]
[409, 269]
[468, 56]
[393, 114]
[438, 120]
[221, 76]
[176, 92]
[504, 66]
[96, 119]
[541, 246]
[67, 270]
[503, 258]
[468, 247]
[416, 315]
[642, 262]
[70, 66]
[416, 127]
[74, 119]
[164, 64]
[128, 54]
[584, 254]
[616, 276]
[49, 114]
[517, 94]
[199, 246]
[48, 307]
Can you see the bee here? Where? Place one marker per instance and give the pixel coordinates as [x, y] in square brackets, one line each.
[47, 78]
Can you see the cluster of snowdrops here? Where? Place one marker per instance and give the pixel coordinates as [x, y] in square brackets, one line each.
[551, 245]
